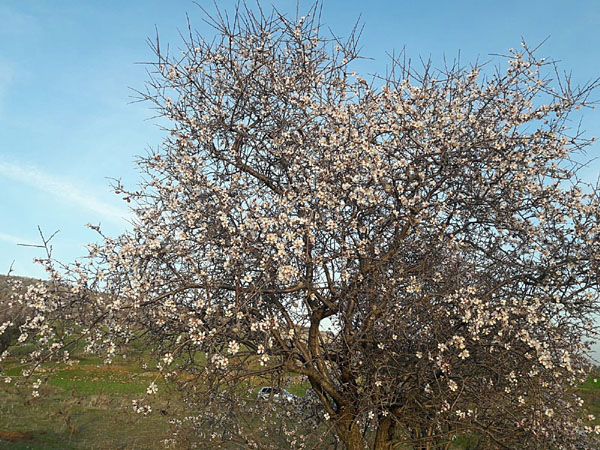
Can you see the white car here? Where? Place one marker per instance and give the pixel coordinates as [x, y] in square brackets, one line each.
[266, 392]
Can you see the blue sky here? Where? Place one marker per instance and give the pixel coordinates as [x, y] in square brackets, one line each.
[67, 123]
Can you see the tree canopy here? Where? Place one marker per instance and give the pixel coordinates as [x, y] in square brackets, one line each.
[418, 245]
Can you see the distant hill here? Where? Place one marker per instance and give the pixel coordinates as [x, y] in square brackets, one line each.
[7, 283]
[10, 309]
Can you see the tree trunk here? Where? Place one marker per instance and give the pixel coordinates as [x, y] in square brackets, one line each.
[349, 433]
[385, 434]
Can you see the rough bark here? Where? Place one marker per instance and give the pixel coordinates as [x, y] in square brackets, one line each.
[349, 433]
[385, 434]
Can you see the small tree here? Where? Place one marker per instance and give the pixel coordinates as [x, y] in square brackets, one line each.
[418, 247]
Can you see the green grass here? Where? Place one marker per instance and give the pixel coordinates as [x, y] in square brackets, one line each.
[85, 406]
[88, 406]
[590, 393]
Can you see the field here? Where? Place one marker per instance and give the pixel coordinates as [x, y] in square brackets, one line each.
[85, 406]
[89, 406]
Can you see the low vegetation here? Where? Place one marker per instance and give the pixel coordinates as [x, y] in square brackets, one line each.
[84, 406]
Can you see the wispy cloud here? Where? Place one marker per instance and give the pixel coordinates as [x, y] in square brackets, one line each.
[12, 239]
[62, 190]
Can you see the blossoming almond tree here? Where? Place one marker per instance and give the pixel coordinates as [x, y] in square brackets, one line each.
[418, 247]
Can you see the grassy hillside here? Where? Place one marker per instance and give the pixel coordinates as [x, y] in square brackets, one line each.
[85, 406]
[10, 310]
